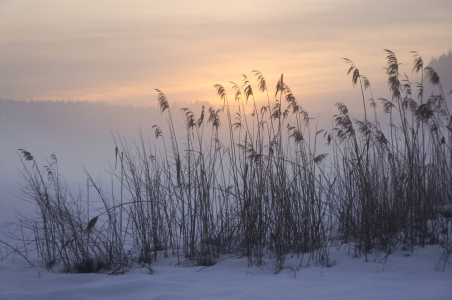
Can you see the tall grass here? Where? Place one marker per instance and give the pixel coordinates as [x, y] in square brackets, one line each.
[263, 188]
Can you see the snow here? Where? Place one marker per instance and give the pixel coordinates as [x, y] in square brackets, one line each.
[405, 275]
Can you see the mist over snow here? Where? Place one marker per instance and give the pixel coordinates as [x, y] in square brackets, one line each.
[80, 134]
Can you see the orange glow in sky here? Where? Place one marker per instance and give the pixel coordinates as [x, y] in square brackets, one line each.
[119, 51]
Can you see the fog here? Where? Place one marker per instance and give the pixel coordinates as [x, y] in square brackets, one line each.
[82, 135]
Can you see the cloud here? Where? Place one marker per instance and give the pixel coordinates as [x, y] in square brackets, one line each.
[119, 51]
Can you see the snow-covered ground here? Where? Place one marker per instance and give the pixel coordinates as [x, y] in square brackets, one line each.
[405, 275]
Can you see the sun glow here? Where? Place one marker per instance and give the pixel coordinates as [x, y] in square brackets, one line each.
[118, 52]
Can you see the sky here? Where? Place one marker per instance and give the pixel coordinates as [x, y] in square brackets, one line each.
[119, 51]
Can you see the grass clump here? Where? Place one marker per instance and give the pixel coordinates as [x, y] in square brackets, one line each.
[262, 186]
